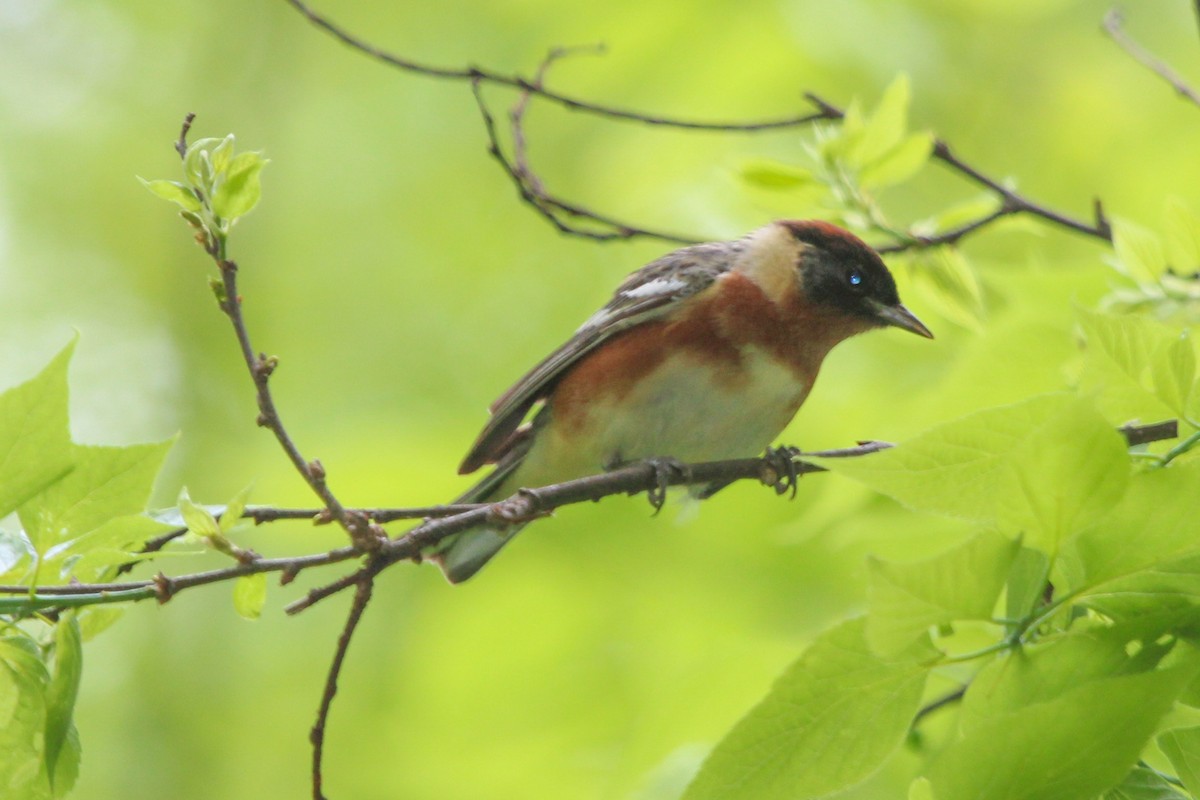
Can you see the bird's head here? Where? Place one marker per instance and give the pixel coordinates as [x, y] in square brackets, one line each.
[833, 268]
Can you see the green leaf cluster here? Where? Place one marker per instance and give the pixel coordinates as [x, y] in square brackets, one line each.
[220, 186]
[1069, 612]
[1160, 274]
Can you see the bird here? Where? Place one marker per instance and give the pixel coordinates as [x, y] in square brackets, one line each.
[704, 354]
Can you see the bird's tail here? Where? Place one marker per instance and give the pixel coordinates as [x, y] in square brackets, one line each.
[464, 554]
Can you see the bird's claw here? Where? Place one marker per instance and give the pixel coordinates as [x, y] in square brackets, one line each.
[781, 473]
[665, 470]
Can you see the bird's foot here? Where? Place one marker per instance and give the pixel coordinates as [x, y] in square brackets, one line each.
[665, 470]
[781, 473]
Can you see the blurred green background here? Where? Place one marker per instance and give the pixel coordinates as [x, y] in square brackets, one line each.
[403, 286]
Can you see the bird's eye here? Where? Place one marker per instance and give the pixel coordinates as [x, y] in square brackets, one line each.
[855, 279]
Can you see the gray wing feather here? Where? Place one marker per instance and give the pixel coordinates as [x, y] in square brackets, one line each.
[643, 296]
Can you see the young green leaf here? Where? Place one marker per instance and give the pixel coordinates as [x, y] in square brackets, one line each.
[1182, 746]
[1049, 466]
[199, 520]
[60, 706]
[197, 164]
[232, 515]
[1139, 252]
[776, 175]
[23, 680]
[1183, 236]
[35, 445]
[947, 279]
[1078, 745]
[905, 600]
[241, 189]
[886, 127]
[899, 164]
[827, 724]
[174, 192]
[250, 594]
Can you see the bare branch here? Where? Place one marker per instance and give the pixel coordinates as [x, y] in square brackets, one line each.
[1114, 27]
[483, 75]
[317, 735]
[533, 194]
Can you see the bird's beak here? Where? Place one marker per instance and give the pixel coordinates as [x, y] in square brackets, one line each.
[900, 317]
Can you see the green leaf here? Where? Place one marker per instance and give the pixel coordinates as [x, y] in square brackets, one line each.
[60, 705]
[1026, 583]
[107, 482]
[96, 619]
[197, 164]
[1153, 525]
[945, 278]
[1043, 672]
[198, 519]
[776, 175]
[920, 789]
[886, 127]
[1183, 236]
[1139, 252]
[962, 583]
[1143, 783]
[174, 192]
[232, 515]
[899, 164]
[35, 445]
[221, 154]
[1182, 746]
[1173, 370]
[1078, 744]
[250, 594]
[23, 679]
[1116, 365]
[827, 724]
[1049, 466]
[15, 550]
[241, 189]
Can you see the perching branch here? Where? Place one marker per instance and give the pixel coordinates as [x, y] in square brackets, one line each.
[1114, 27]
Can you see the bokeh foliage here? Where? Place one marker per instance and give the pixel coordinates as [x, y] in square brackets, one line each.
[402, 285]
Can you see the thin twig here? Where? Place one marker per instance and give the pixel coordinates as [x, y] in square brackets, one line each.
[484, 75]
[317, 735]
[531, 188]
[1114, 27]
[536, 197]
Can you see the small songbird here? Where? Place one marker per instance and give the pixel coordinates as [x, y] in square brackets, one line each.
[705, 354]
